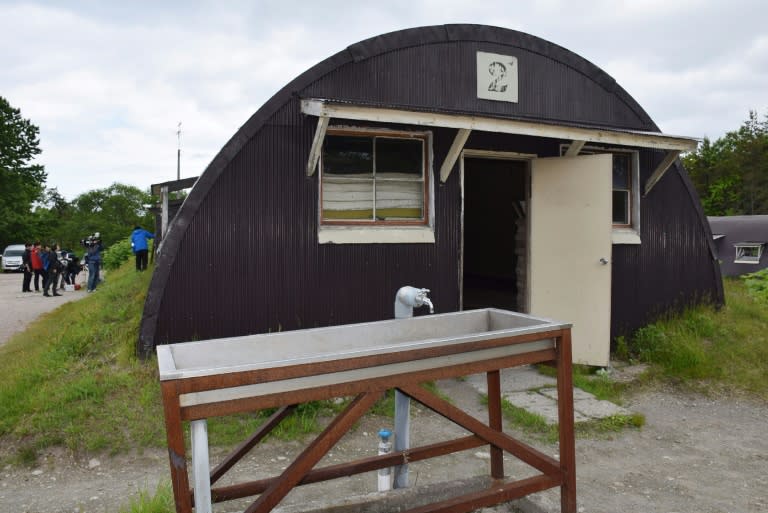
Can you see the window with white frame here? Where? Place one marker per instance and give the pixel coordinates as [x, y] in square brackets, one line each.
[625, 180]
[374, 178]
[748, 252]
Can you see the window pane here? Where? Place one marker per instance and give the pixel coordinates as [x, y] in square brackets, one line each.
[621, 171]
[620, 207]
[399, 200]
[748, 253]
[350, 156]
[345, 198]
[372, 178]
[399, 158]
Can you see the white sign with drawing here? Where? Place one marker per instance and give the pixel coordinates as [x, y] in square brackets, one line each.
[496, 77]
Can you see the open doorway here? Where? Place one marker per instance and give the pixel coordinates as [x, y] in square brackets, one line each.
[494, 262]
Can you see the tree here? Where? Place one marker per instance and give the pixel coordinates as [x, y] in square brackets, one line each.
[731, 174]
[21, 181]
[113, 212]
[51, 213]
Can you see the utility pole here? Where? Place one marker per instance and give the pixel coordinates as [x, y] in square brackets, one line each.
[178, 152]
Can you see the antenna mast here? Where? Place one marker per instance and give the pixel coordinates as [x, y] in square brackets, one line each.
[178, 152]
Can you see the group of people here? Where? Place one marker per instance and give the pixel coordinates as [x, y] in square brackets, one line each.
[52, 269]
[47, 264]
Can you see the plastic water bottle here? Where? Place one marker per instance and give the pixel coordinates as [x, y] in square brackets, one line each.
[385, 447]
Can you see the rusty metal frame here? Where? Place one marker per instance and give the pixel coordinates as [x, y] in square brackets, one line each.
[271, 491]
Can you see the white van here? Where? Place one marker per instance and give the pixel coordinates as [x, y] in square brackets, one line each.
[12, 257]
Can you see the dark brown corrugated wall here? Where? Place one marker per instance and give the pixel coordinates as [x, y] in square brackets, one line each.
[674, 266]
[260, 267]
[242, 256]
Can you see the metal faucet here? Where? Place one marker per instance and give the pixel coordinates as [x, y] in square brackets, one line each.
[425, 300]
[408, 298]
[405, 300]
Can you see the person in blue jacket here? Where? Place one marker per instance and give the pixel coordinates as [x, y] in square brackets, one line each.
[140, 246]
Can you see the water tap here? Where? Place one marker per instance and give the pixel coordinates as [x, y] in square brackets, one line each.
[408, 298]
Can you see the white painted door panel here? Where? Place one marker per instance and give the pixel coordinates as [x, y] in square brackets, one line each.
[570, 249]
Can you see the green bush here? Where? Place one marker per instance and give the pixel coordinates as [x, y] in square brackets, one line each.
[757, 285]
[117, 254]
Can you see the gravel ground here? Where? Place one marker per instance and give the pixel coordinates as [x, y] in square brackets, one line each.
[696, 454]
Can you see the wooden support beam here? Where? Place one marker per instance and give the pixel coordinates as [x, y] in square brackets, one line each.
[574, 148]
[301, 466]
[372, 463]
[529, 455]
[173, 185]
[453, 154]
[242, 449]
[669, 159]
[317, 144]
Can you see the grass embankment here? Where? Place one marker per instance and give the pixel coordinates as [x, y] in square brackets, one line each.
[711, 351]
[72, 380]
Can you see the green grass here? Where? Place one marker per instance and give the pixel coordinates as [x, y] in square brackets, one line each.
[704, 349]
[159, 502]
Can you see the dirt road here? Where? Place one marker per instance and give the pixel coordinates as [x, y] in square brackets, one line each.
[19, 308]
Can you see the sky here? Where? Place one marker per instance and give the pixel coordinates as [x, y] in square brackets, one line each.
[108, 82]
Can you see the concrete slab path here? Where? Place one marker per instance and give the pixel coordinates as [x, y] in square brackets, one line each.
[526, 388]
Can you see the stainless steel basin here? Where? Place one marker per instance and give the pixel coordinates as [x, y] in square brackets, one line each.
[274, 350]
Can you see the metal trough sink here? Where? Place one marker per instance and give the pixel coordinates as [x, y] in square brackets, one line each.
[354, 351]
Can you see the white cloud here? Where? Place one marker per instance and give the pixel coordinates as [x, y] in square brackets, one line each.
[108, 82]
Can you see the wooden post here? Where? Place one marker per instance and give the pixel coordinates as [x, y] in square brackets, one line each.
[164, 212]
[494, 421]
[176, 451]
[565, 421]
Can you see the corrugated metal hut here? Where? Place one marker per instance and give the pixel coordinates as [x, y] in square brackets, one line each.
[488, 165]
[741, 243]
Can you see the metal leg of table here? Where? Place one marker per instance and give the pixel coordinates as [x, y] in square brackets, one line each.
[402, 435]
[201, 465]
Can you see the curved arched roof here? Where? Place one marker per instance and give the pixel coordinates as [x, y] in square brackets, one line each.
[354, 54]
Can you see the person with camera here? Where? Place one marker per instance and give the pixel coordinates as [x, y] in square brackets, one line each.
[93, 249]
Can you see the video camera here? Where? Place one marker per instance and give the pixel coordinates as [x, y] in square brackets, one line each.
[91, 240]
